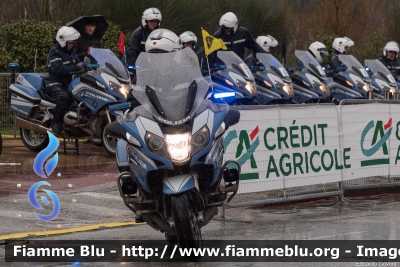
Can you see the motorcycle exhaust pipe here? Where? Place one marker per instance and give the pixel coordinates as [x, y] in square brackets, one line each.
[31, 126]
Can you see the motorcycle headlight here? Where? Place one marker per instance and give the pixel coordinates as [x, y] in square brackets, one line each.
[367, 87]
[178, 146]
[200, 139]
[156, 144]
[288, 88]
[322, 87]
[249, 86]
[122, 89]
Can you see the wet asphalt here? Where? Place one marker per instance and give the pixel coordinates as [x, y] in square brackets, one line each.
[88, 195]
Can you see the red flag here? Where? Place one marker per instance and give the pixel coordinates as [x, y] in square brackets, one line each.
[121, 43]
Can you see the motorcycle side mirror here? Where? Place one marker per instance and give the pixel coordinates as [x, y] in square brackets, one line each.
[92, 66]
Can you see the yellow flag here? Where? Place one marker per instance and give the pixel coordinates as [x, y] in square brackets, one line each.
[211, 43]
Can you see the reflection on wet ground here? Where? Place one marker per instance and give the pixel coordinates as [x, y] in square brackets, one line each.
[92, 166]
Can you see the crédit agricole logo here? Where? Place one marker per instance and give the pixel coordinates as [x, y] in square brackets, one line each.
[381, 131]
[248, 141]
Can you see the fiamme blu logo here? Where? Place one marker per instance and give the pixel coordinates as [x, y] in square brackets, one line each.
[44, 170]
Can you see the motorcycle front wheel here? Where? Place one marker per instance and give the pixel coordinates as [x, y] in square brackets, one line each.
[33, 140]
[187, 227]
[109, 142]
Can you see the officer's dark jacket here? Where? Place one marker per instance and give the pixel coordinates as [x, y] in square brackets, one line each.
[136, 44]
[60, 63]
[392, 65]
[238, 41]
[335, 62]
[83, 44]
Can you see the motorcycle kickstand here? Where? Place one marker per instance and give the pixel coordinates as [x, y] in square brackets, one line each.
[76, 147]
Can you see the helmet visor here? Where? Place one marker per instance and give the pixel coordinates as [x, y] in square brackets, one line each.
[323, 51]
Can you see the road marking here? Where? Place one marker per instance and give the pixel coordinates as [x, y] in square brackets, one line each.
[9, 163]
[68, 230]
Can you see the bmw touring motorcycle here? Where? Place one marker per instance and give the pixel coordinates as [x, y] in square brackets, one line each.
[274, 85]
[382, 79]
[99, 96]
[351, 81]
[309, 81]
[230, 76]
[171, 155]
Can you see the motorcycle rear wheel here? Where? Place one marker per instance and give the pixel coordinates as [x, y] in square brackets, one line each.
[187, 227]
[33, 140]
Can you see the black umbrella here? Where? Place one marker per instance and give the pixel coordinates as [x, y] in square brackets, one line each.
[98, 20]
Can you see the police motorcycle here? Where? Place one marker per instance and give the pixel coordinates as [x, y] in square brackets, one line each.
[382, 79]
[99, 92]
[274, 85]
[230, 78]
[170, 154]
[309, 80]
[350, 81]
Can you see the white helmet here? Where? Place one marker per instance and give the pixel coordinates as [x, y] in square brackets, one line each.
[162, 40]
[340, 43]
[67, 34]
[229, 20]
[188, 37]
[391, 46]
[151, 14]
[266, 42]
[318, 49]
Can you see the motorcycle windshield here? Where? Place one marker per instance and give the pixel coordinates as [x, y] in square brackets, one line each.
[310, 63]
[170, 85]
[353, 66]
[380, 70]
[109, 63]
[234, 63]
[271, 62]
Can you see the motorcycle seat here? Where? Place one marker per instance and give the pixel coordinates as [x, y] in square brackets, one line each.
[44, 75]
[44, 96]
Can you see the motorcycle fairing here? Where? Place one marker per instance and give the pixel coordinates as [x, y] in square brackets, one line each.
[23, 99]
[94, 99]
[141, 165]
[121, 156]
[31, 80]
[178, 184]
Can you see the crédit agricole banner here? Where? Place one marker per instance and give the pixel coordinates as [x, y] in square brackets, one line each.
[295, 146]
